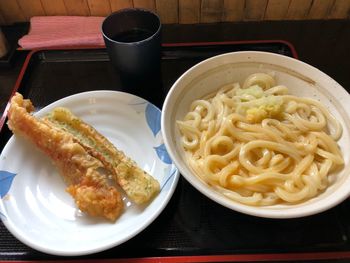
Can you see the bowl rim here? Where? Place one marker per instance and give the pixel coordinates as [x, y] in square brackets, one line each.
[294, 211]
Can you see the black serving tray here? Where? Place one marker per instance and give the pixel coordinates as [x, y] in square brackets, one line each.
[191, 226]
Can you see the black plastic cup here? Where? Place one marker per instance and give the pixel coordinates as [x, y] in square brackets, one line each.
[133, 41]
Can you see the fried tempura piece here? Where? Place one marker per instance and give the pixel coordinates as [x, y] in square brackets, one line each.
[139, 186]
[82, 172]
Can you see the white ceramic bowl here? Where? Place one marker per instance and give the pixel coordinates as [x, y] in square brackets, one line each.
[301, 79]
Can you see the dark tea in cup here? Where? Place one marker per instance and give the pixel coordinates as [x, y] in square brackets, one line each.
[132, 38]
[132, 35]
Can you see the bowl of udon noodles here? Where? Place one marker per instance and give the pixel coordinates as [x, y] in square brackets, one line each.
[260, 133]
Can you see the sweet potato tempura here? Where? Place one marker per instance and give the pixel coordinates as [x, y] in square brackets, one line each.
[83, 173]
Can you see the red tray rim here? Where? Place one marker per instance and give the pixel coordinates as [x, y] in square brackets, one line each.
[271, 257]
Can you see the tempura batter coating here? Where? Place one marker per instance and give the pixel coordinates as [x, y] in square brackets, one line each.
[139, 186]
[80, 170]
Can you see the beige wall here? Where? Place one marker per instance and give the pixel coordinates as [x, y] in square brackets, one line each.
[181, 11]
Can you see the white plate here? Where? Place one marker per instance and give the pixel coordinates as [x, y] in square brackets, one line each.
[34, 205]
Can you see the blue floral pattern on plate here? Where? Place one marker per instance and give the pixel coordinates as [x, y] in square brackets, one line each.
[163, 154]
[153, 115]
[6, 179]
[171, 173]
[153, 119]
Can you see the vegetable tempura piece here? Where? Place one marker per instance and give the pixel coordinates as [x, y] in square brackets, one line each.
[139, 186]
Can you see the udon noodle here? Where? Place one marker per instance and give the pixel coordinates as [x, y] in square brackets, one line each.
[258, 145]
